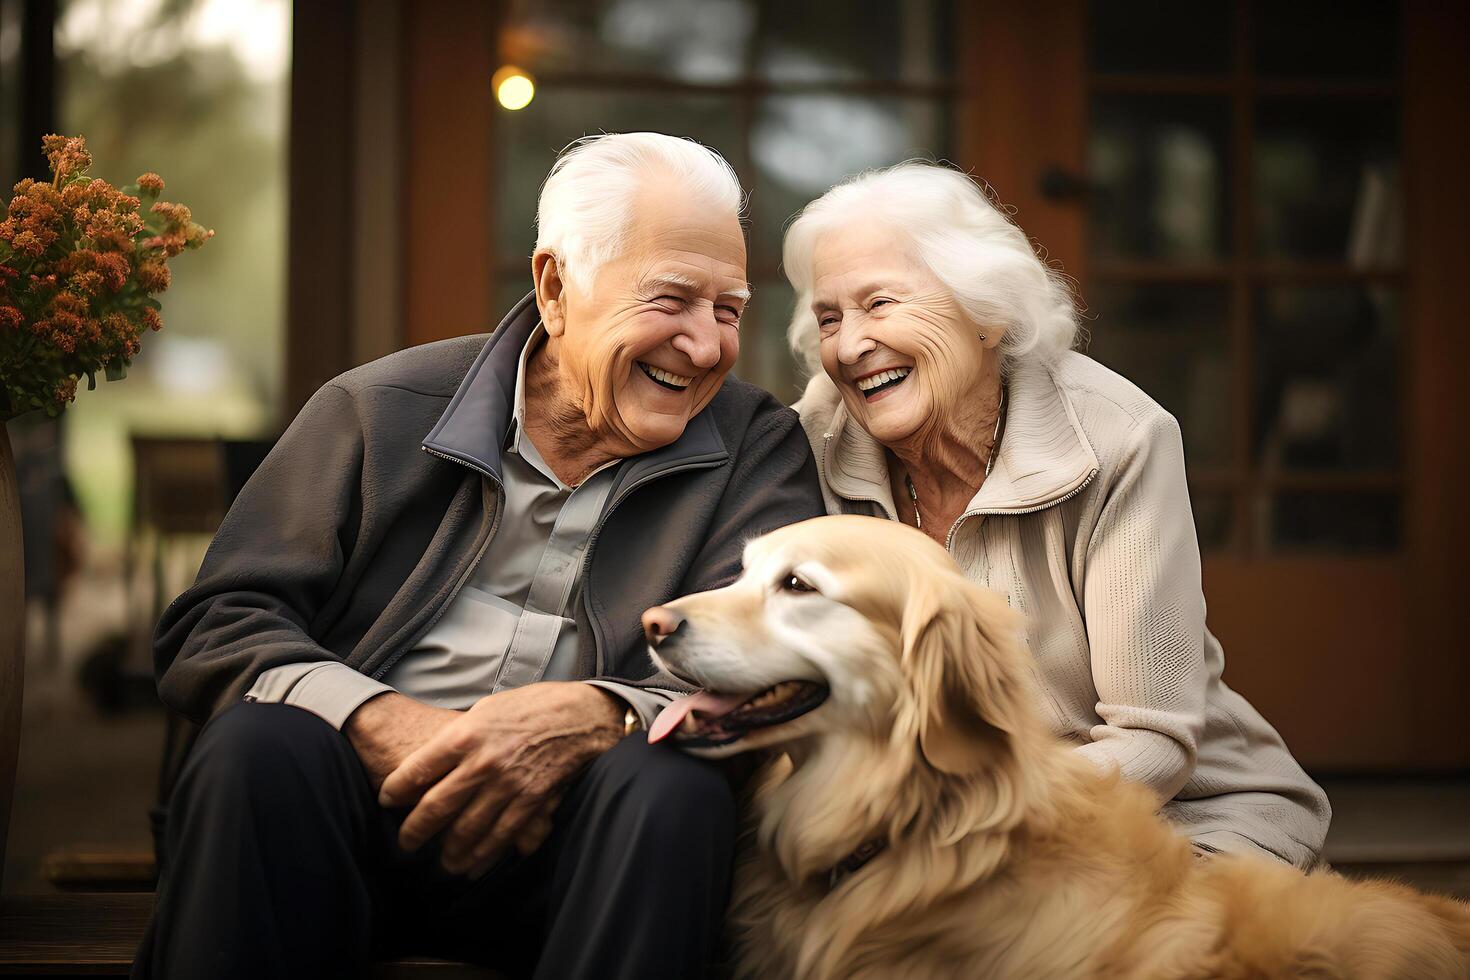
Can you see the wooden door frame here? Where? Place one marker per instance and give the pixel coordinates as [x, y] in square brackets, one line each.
[390, 224]
[1436, 159]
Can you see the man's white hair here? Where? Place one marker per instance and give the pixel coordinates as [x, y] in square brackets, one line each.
[983, 259]
[586, 203]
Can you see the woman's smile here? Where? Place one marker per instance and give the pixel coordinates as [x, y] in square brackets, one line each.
[875, 385]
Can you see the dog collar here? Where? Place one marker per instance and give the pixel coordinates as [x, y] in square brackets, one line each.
[865, 852]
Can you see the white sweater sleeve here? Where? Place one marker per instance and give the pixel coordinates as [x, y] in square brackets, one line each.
[1144, 607]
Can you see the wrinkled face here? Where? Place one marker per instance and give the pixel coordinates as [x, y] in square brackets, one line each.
[899, 348]
[648, 342]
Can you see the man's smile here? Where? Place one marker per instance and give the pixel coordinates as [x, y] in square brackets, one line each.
[666, 379]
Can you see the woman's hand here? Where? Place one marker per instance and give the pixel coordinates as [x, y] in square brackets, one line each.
[492, 775]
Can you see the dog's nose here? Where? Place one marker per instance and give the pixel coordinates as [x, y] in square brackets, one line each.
[659, 622]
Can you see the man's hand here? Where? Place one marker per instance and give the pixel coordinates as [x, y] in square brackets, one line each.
[385, 729]
[496, 770]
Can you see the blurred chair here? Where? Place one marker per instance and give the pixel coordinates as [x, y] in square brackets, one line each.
[178, 494]
[229, 464]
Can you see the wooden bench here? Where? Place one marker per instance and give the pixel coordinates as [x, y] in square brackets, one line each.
[95, 936]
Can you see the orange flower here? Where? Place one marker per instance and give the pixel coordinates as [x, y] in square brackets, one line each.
[69, 303]
[60, 337]
[154, 277]
[116, 326]
[115, 269]
[29, 243]
[66, 154]
[87, 283]
[77, 247]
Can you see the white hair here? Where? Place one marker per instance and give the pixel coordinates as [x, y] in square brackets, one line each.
[586, 203]
[981, 256]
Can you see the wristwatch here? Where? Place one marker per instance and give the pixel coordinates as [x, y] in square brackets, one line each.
[631, 722]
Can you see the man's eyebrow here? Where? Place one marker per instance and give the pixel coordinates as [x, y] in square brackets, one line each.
[671, 280]
[676, 281]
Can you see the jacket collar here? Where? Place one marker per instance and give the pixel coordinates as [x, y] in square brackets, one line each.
[475, 426]
[1044, 456]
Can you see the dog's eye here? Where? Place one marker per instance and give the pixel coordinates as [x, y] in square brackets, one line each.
[792, 583]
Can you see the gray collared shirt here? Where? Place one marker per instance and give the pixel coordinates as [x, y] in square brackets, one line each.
[512, 623]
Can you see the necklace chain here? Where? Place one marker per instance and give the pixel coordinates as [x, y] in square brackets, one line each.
[989, 459]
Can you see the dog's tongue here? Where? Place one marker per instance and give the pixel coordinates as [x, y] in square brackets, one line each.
[673, 716]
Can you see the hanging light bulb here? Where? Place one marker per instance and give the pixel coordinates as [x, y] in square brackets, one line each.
[514, 89]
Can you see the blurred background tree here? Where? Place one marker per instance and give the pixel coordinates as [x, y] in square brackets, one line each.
[197, 90]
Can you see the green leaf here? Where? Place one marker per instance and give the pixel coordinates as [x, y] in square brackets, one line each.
[91, 381]
[116, 370]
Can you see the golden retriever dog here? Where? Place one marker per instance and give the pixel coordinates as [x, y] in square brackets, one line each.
[918, 819]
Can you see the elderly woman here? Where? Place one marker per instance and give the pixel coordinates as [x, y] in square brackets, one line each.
[945, 394]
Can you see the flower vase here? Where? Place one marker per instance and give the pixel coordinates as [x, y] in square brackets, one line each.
[12, 629]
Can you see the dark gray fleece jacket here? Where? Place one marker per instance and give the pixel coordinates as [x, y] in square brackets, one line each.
[371, 511]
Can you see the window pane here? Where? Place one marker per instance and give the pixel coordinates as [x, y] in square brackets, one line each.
[529, 140]
[1160, 188]
[704, 42]
[1333, 522]
[1327, 180]
[1173, 342]
[803, 144]
[809, 42]
[1214, 519]
[1326, 38]
[765, 359]
[1162, 36]
[1327, 391]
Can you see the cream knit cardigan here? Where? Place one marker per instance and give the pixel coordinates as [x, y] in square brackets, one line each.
[1084, 523]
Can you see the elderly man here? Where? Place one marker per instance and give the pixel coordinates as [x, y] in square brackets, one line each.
[417, 632]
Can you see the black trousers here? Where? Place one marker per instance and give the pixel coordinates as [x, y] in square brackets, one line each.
[282, 864]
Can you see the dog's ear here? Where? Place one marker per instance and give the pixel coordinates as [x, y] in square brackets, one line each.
[961, 665]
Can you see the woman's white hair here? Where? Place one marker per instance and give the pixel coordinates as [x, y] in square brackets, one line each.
[984, 260]
[586, 203]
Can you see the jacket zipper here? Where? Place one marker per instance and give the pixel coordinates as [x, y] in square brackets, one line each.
[598, 642]
[1013, 511]
[397, 655]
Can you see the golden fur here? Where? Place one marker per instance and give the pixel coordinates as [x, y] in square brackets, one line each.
[1008, 855]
